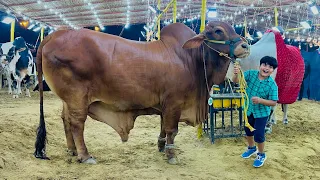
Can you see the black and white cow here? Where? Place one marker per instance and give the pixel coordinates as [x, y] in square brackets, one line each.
[17, 63]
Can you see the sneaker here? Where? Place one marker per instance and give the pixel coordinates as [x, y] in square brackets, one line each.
[268, 130]
[249, 152]
[259, 161]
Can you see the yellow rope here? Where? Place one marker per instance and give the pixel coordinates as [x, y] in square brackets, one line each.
[244, 98]
[199, 131]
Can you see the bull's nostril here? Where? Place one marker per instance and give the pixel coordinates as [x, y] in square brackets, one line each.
[245, 46]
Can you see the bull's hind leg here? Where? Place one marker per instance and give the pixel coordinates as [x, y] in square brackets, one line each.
[66, 123]
[162, 137]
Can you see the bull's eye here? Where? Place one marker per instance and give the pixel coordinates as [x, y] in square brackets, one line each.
[219, 32]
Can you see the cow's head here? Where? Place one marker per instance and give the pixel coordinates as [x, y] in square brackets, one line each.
[10, 51]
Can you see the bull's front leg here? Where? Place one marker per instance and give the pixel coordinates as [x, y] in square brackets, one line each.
[170, 121]
[77, 115]
[162, 137]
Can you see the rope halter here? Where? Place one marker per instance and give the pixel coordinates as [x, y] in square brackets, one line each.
[231, 44]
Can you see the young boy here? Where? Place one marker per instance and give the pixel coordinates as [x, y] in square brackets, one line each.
[262, 91]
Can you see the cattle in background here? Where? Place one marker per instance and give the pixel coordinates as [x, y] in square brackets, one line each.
[9, 57]
[288, 75]
[17, 62]
[114, 80]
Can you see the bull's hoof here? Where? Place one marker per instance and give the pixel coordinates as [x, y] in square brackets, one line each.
[273, 121]
[161, 149]
[172, 161]
[15, 96]
[161, 144]
[72, 152]
[90, 160]
[285, 121]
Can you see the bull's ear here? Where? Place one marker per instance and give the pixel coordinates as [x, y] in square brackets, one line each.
[194, 42]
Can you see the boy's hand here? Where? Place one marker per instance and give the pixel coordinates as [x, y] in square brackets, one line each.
[236, 70]
[255, 100]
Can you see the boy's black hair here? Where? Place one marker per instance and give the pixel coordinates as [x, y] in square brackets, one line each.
[271, 61]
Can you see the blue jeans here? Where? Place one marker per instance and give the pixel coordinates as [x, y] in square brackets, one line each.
[259, 125]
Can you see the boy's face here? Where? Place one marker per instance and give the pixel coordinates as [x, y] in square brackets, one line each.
[265, 70]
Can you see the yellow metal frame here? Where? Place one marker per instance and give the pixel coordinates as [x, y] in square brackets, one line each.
[275, 16]
[174, 2]
[293, 29]
[41, 34]
[13, 24]
[203, 15]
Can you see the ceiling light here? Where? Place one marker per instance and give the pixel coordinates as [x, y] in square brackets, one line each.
[7, 20]
[152, 9]
[305, 24]
[314, 9]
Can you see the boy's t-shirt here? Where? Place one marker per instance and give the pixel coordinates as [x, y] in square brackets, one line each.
[266, 89]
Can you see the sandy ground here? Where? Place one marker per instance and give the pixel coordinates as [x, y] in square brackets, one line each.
[292, 150]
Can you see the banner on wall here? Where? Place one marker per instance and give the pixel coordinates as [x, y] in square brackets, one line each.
[310, 87]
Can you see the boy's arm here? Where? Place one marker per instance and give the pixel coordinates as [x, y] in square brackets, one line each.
[236, 71]
[267, 102]
[272, 99]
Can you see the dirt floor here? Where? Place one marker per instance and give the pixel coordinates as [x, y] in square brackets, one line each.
[293, 150]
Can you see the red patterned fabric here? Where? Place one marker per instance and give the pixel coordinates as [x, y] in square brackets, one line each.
[290, 70]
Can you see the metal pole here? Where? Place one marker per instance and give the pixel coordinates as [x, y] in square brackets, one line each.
[159, 20]
[203, 15]
[174, 11]
[13, 24]
[41, 34]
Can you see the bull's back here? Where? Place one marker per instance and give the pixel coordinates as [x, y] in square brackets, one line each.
[109, 68]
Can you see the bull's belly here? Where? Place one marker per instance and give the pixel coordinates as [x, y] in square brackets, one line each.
[189, 116]
[127, 101]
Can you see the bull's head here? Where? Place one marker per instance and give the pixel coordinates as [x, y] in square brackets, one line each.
[219, 39]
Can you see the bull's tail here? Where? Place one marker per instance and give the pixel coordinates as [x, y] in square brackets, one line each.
[40, 144]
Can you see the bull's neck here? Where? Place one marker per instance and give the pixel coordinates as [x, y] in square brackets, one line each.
[212, 63]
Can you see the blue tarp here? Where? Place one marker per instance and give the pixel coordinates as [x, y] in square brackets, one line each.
[311, 83]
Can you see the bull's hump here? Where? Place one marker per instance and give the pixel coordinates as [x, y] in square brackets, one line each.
[177, 31]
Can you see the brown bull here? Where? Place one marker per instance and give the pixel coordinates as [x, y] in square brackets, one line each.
[114, 80]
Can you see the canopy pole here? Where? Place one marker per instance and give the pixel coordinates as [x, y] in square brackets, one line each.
[275, 16]
[41, 34]
[13, 24]
[174, 11]
[203, 15]
[159, 20]
[245, 27]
